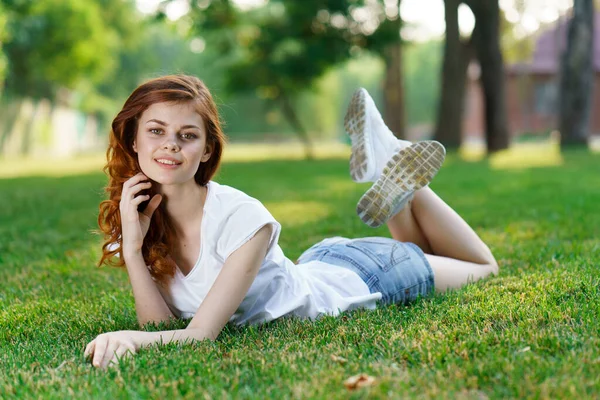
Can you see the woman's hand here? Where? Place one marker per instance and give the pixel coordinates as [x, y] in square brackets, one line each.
[135, 224]
[109, 348]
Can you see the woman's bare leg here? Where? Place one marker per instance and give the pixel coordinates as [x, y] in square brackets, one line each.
[405, 228]
[456, 254]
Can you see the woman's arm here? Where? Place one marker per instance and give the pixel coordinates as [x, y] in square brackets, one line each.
[149, 303]
[222, 300]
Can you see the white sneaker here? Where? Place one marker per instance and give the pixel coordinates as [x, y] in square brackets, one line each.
[407, 171]
[373, 144]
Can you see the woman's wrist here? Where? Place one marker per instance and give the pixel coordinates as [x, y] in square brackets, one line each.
[131, 256]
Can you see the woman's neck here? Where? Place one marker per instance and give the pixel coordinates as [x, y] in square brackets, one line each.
[185, 204]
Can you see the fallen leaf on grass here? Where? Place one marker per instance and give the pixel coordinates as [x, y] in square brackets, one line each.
[524, 349]
[338, 359]
[359, 381]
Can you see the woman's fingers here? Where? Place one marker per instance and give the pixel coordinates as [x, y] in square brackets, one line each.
[131, 186]
[130, 194]
[109, 348]
[139, 199]
[100, 349]
[89, 349]
[109, 353]
[135, 189]
[152, 205]
[134, 180]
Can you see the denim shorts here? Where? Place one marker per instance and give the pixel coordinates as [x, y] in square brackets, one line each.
[397, 270]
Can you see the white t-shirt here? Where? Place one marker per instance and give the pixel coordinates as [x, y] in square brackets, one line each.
[281, 288]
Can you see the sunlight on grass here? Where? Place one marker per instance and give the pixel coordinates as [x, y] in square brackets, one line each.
[527, 156]
[523, 231]
[292, 213]
[336, 185]
[595, 143]
[16, 167]
[518, 156]
[279, 151]
[19, 167]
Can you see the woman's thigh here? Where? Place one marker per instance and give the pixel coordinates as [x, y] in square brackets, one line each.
[453, 274]
[397, 270]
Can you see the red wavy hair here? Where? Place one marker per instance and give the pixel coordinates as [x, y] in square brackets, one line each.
[122, 164]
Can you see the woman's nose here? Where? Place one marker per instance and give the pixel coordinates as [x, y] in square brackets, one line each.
[171, 145]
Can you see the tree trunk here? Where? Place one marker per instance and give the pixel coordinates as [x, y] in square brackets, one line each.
[393, 89]
[577, 76]
[457, 55]
[10, 114]
[290, 114]
[28, 134]
[486, 40]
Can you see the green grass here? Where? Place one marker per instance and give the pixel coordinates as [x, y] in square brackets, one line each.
[531, 332]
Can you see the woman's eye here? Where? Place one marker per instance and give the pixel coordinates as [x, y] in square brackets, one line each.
[155, 131]
[188, 135]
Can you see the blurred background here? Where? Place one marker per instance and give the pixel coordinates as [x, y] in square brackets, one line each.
[475, 74]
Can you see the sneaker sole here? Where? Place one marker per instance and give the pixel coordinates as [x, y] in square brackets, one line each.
[407, 171]
[355, 124]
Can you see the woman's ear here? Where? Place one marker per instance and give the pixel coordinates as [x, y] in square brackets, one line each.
[207, 153]
[134, 146]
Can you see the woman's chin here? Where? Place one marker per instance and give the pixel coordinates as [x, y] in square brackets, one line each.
[163, 180]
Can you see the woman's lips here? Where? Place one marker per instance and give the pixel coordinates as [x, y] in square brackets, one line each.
[167, 163]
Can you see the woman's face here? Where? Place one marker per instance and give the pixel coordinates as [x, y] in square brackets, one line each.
[171, 143]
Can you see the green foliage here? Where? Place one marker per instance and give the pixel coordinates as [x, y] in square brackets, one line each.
[56, 43]
[516, 47]
[154, 49]
[531, 332]
[3, 37]
[422, 66]
[280, 49]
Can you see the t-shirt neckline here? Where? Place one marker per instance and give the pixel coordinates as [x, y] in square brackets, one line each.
[196, 265]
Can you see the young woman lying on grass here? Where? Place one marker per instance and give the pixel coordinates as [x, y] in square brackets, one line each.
[196, 249]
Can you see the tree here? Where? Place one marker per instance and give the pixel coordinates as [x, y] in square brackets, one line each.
[56, 43]
[486, 41]
[59, 46]
[577, 76]
[457, 55]
[393, 88]
[280, 49]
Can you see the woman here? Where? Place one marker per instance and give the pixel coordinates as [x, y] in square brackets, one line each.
[196, 249]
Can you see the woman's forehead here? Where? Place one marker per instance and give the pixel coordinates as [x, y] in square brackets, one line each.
[173, 113]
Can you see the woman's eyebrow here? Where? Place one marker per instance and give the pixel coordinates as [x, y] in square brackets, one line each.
[165, 124]
[157, 121]
[191, 126]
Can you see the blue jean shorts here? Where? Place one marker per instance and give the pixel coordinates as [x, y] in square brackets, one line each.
[397, 270]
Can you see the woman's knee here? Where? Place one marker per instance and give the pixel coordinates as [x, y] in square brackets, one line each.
[493, 265]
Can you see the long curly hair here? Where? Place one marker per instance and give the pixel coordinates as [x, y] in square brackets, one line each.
[122, 164]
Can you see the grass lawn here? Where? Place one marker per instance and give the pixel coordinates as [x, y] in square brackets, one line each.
[531, 332]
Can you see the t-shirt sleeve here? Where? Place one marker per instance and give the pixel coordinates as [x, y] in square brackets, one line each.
[241, 225]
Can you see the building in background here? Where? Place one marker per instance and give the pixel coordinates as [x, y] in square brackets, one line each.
[531, 89]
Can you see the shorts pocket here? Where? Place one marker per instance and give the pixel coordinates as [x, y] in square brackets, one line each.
[385, 252]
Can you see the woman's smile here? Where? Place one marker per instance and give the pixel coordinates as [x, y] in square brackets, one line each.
[168, 162]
